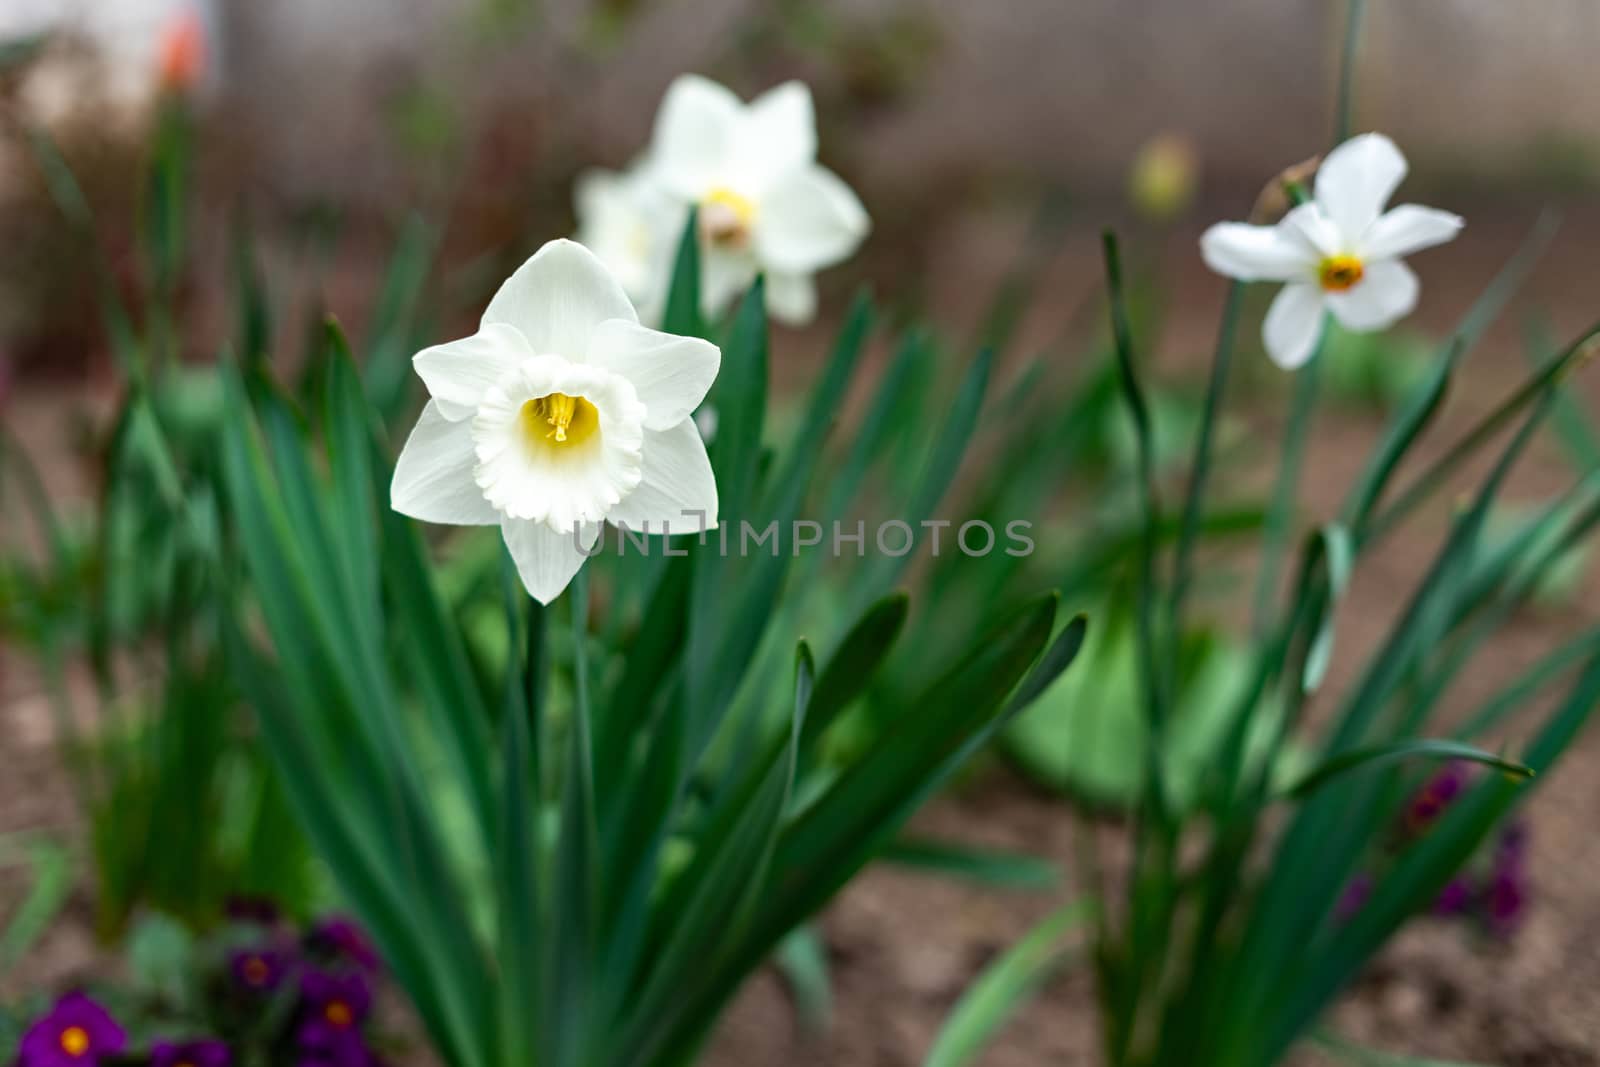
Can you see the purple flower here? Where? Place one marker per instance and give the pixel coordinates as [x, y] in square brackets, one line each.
[258, 970]
[1454, 898]
[76, 1032]
[344, 939]
[202, 1053]
[333, 1009]
[1435, 796]
[1353, 899]
[1513, 845]
[1505, 902]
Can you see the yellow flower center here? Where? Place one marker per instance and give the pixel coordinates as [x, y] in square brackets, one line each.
[256, 971]
[338, 1013]
[74, 1041]
[1338, 273]
[726, 217]
[559, 420]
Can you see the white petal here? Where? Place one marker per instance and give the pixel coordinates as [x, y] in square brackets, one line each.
[632, 226]
[457, 373]
[557, 298]
[791, 298]
[433, 477]
[1255, 253]
[724, 277]
[777, 133]
[670, 373]
[1409, 228]
[808, 219]
[546, 560]
[1293, 324]
[1310, 227]
[1357, 179]
[678, 491]
[695, 128]
[1386, 293]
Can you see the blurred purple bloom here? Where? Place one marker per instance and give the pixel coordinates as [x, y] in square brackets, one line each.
[1436, 795]
[1513, 845]
[1454, 898]
[76, 1032]
[1354, 898]
[202, 1053]
[1505, 902]
[260, 970]
[344, 939]
[333, 1009]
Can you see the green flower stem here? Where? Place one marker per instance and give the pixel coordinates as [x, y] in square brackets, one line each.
[1285, 492]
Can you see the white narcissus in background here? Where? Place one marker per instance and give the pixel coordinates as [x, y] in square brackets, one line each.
[765, 203]
[561, 413]
[1339, 252]
[632, 224]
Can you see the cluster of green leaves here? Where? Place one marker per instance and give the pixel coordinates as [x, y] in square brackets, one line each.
[182, 808]
[575, 851]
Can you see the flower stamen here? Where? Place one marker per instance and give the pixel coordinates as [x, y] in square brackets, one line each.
[339, 1014]
[74, 1041]
[1338, 273]
[570, 420]
[726, 218]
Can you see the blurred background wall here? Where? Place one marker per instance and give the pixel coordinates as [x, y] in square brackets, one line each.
[1065, 89]
[480, 112]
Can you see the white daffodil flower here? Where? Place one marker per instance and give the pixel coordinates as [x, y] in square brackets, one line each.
[561, 413]
[765, 204]
[1339, 252]
[632, 224]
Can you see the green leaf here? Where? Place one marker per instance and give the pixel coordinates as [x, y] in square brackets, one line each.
[1338, 556]
[682, 314]
[950, 447]
[48, 890]
[1200, 466]
[517, 856]
[855, 663]
[802, 960]
[1006, 870]
[1360, 1056]
[569, 982]
[1377, 755]
[1004, 987]
[1151, 675]
[161, 958]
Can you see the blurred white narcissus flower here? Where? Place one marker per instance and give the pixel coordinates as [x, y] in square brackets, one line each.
[1338, 252]
[560, 413]
[765, 203]
[629, 221]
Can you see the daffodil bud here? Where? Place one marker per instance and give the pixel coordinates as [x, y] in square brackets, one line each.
[1164, 177]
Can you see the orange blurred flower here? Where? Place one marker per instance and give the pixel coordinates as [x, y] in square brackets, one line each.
[183, 52]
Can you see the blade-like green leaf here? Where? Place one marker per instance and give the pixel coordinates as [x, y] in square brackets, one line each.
[1004, 987]
[1008, 870]
[682, 315]
[1376, 755]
